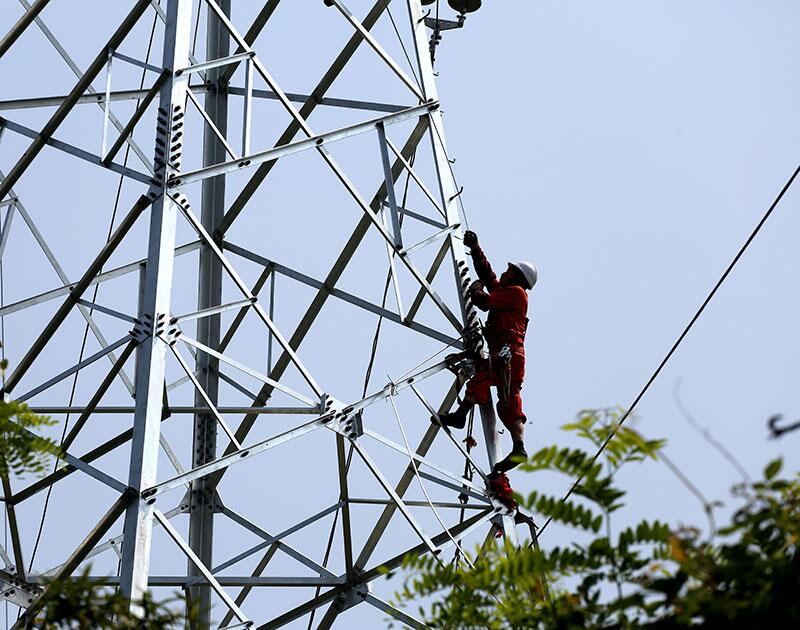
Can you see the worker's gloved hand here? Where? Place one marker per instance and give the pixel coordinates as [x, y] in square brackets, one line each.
[476, 287]
[470, 239]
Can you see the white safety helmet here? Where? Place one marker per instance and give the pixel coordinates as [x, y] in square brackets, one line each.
[528, 270]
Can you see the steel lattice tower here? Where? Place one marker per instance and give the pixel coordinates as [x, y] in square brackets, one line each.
[239, 286]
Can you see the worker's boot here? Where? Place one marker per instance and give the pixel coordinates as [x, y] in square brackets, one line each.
[513, 459]
[455, 419]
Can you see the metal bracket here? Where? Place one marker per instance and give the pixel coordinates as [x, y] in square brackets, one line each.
[146, 328]
[18, 591]
[346, 422]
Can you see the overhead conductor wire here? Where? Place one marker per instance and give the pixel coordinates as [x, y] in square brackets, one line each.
[680, 338]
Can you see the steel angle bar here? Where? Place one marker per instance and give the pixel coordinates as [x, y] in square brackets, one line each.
[277, 539]
[449, 435]
[396, 498]
[257, 571]
[250, 372]
[301, 610]
[211, 125]
[251, 395]
[237, 321]
[162, 14]
[199, 388]
[12, 210]
[410, 170]
[221, 592]
[51, 258]
[434, 269]
[332, 614]
[235, 457]
[131, 95]
[94, 306]
[171, 456]
[394, 612]
[91, 406]
[23, 23]
[213, 311]
[79, 555]
[75, 368]
[248, 107]
[262, 315]
[312, 142]
[339, 294]
[423, 460]
[402, 486]
[107, 103]
[135, 118]
[99, 475]
[256, 26]
[345, 103]
[442, 538]
[137, 62]
[13, 528]
[61, 113]
[55, 101]
[392, 388]
[7, 561]
[314, 99]
[111, 543]
[422, 504]
[214, 63]
[97, 452]
[331, 279]
[92, 93]
[434, 237]
[379, 50]
[419, 217]
[371, 574]
[344, 495]
[7, 202]
[98, 279]
[479, 496]
[390, 253]
[75, 151]
[181, 410]
[79, 464]
[457, 538]
[390, 194]
[230, 581]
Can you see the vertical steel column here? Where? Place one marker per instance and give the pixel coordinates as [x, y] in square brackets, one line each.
[449, 192]
[157, 297]
[209, 294]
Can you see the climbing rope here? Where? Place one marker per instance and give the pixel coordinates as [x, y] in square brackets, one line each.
[680, 339]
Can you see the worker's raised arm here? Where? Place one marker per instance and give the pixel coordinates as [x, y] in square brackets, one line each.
[482, 267]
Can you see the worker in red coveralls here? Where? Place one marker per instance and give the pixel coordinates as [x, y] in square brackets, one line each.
[506, 299]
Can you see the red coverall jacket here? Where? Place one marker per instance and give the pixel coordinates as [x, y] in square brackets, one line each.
[505, 325]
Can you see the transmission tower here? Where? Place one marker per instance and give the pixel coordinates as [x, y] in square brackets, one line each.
[236, 302]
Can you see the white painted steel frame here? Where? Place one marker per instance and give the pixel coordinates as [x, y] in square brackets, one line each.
[156, 329]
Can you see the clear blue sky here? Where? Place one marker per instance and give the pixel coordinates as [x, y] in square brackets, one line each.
[627, 148]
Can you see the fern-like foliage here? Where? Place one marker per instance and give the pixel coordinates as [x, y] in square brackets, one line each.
[21, 450]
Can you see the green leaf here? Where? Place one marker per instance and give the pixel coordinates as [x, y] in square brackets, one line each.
[773, 468]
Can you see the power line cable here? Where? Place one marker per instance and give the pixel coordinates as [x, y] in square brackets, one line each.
[680, 339]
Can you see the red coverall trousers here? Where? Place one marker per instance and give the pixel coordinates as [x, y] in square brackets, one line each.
[506, 325]
[507, 378]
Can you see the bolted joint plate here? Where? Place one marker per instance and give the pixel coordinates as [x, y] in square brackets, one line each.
[345, 421]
